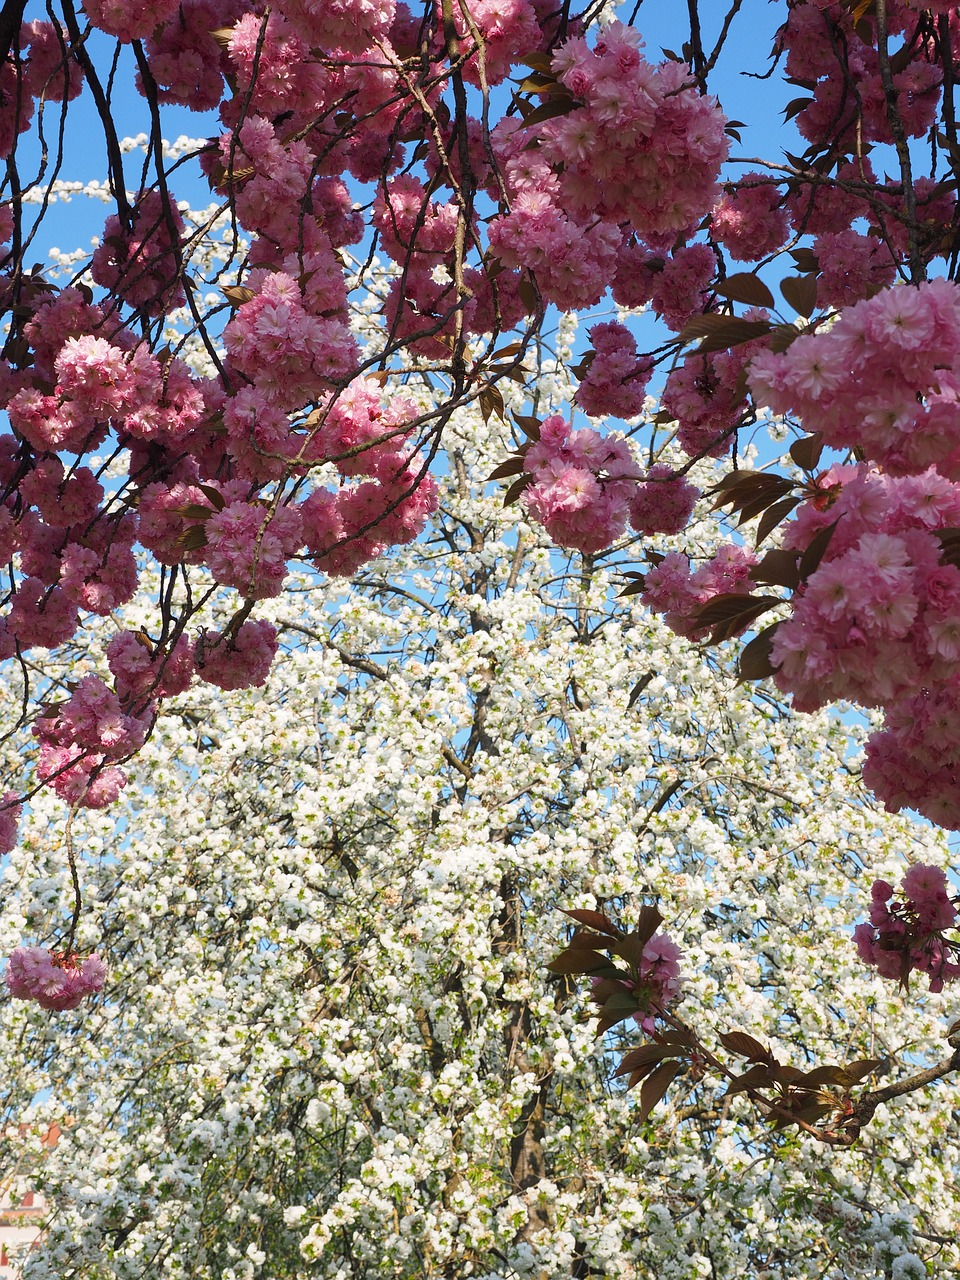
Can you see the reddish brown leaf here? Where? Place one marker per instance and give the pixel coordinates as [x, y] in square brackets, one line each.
[794, 107]
[801, 293]
[193, 538]
[827, 1074]
[512, 467]
[630, 948]
[757, 1077]
[759, 504]
[782, 336]
[949, 540]
[214, 496]
[557, 105]
[746, 1047]
[595, 920]
[773, 516]
[646, 1055]
[648, 922]
[754, 662]
[806, 260]
[778, 568]
[491, 401]
[745, 287]
[641, 1073]
[528, 295]
[578, 960]
[656, 1085]
[587, 938]
[193, 511]
[515, 490]
[636, 586]
[238, 294]
[529, 425]
[722, 332]
[608, 985]
[815, 552]
[743, 489]
[784, 1074]
[731, 613]
[857, 1071]
[806, 452]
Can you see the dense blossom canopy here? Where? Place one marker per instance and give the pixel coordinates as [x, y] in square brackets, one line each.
[312, 336]
[329, 1046]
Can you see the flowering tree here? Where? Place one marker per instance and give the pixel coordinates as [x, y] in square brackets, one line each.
[219, 393]
[329, 1043]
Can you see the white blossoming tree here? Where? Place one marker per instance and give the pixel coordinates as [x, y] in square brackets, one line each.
[329, 1045]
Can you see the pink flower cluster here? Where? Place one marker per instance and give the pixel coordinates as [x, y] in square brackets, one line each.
[639, 151]
[240, 662]
[55, 980]
[662, 502]
[129, 19]
[248, 547]
[645, 148]
[581, 485]
[345, 529]
[675, 285]
[707, 397]
[584, 487]
[678, 591]
[885, 379]
[615, 382]
[80, 738]
[750, 220]
[826, 46]
[657, 984]
[10, 807]
[878, 617]
[659, 977]
[851, 267]
[907, 933]
[142, 265]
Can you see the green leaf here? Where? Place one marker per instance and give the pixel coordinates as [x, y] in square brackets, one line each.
[622, 1002]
